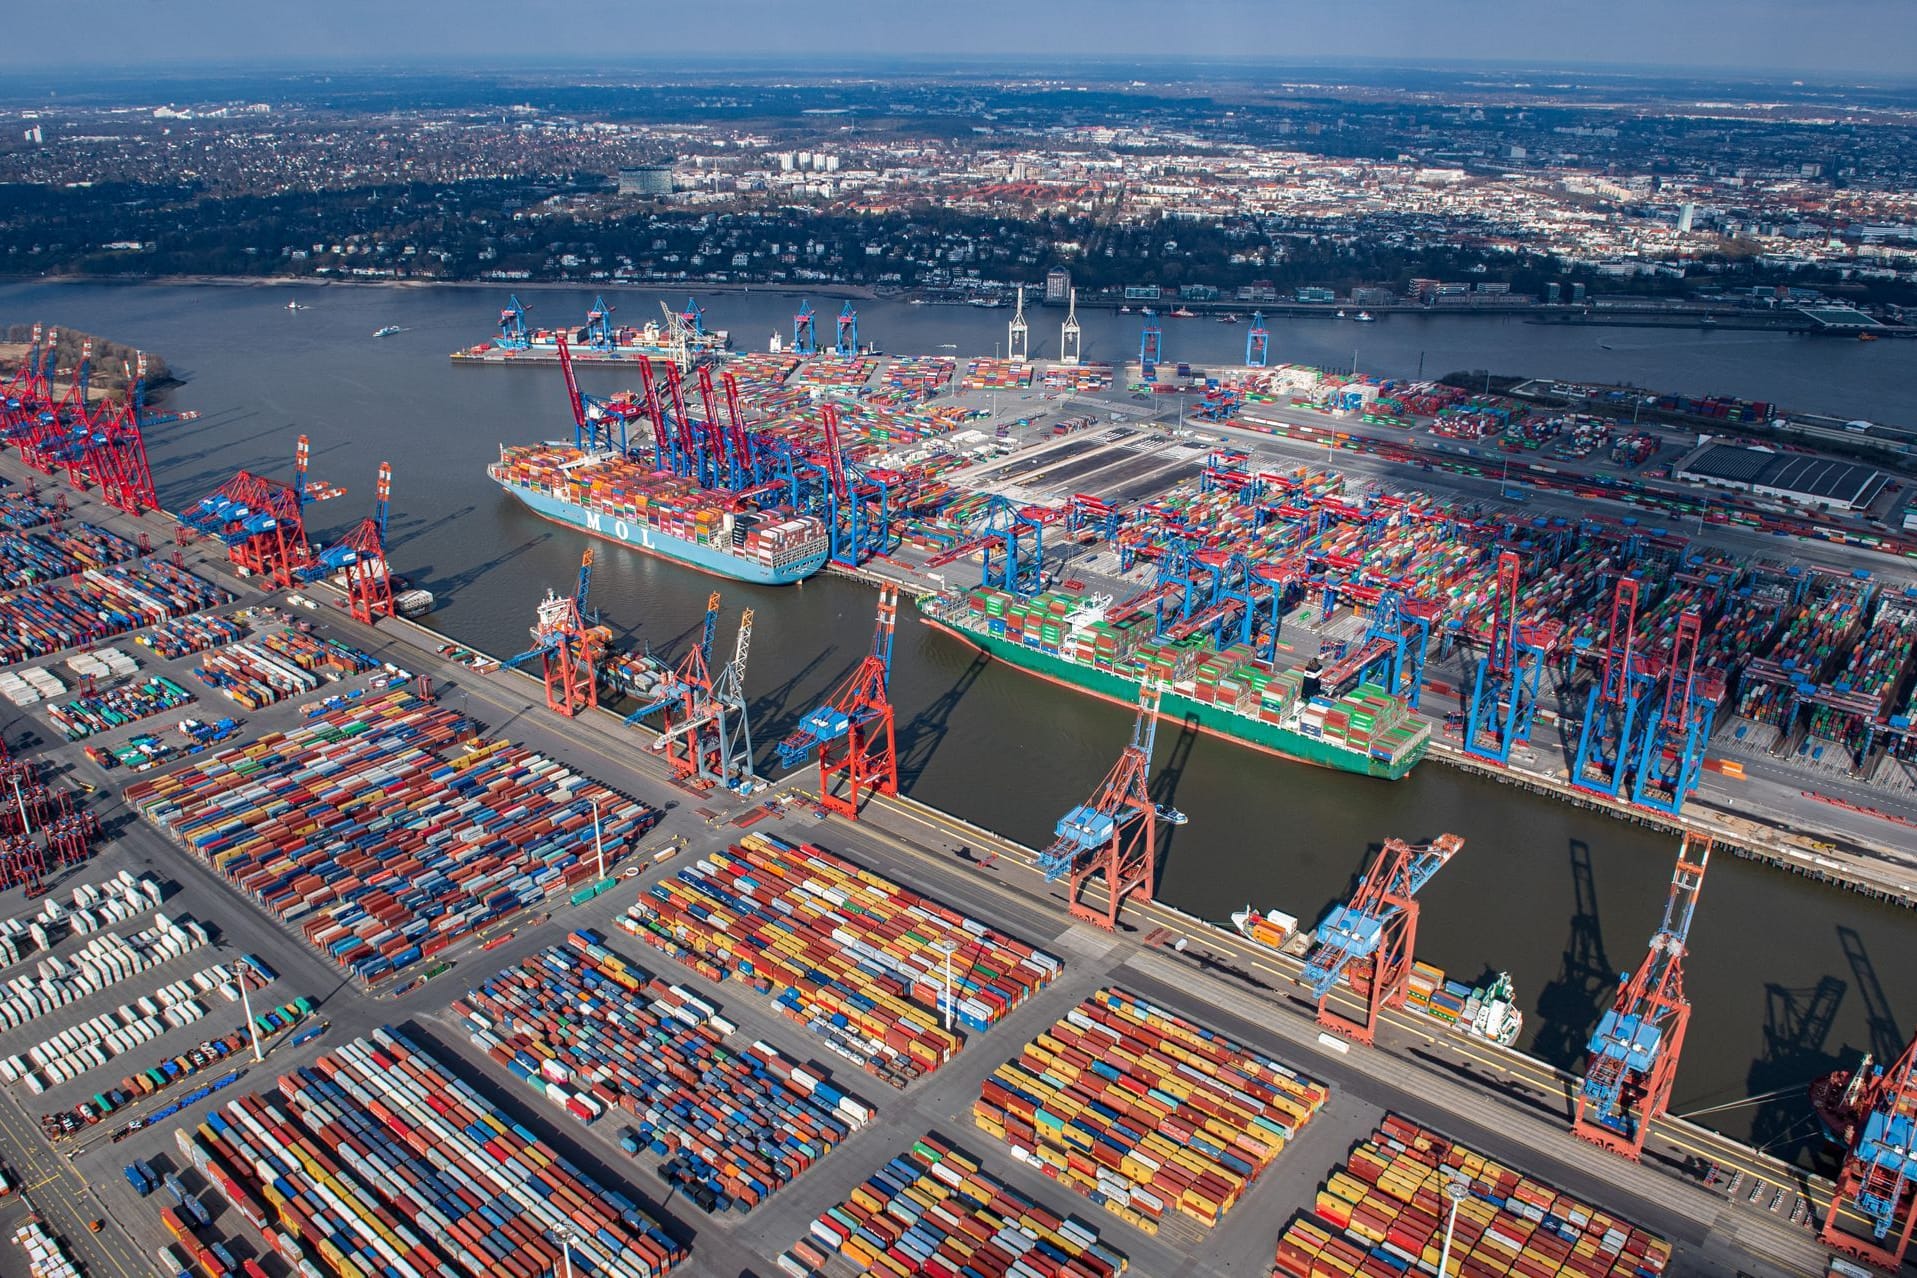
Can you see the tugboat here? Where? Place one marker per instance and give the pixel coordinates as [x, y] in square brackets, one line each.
[1838, 1100]
[1490, 1014]
[1366, 317]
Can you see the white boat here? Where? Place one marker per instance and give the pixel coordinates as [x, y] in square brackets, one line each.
[1490, 1013]
[1366, 317]
[388, 331]
[294, 306]
[1272, 928]
[1341, 314]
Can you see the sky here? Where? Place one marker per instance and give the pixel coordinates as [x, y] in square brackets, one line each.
[1855, 38]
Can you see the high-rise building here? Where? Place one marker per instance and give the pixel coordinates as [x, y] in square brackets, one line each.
[647, 179]
[1553, 291]
[1058, 284]
[1686, 214]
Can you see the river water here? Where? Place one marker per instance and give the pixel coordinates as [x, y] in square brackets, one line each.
[1788, 979]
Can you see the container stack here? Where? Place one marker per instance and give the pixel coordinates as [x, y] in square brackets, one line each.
[1145, 1113]
[92, 1043]
[382, 837]
[1080, 377]
[591, 1031]
[27, 559]
[848, 953]
[31, 686]
[248, 675]
[1383, 1214]
[184, 636]
[996, 374]
[97, 605]
[104, 961]
[116, 707]
[46, 1257]
[377, 1159]
[932, 1210]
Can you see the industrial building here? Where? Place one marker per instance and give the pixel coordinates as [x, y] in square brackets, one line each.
[1795, 477]
[647, 179]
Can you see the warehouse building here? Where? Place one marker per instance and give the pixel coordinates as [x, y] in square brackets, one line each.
[1802, 478]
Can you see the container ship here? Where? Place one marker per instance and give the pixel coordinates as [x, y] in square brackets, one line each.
[1230, 693]
[626, 501]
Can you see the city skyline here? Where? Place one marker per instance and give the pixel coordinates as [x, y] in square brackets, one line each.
[1871, 38]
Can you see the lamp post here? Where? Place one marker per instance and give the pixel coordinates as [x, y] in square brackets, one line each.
[946, 946]
[1456, 1190]
[565, 1250]
[26, 824]
[246, 1005]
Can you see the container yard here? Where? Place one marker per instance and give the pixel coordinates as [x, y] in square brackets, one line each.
[385, 830]
[1384, 1212]
[100, 603]
[378, 1159]
[728, 1123]
[933, 1210]
[1144, 1113]
[851, 955]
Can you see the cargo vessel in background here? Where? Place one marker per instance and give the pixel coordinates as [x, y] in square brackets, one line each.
[626, 501]
[1232, 694]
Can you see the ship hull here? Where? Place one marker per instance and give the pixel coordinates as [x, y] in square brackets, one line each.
[1272, 738]
[640, 535]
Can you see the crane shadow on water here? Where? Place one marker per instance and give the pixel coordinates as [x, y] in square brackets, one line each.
[920, 739]
[1569, 1007]
[457, 581]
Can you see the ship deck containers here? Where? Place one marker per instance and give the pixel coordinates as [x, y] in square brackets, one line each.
[1146, 1113]
[848, 953]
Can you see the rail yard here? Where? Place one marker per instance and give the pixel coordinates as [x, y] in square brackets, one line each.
[428, 959]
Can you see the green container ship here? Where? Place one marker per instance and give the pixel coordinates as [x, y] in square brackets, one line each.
[1066, 639]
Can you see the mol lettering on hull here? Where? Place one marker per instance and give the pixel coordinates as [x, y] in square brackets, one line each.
[596, 523]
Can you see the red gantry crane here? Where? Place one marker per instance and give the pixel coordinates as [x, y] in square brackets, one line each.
[1875, 1188]
[263, 521]
[360, 557]
[568, 647]
[853, 732]
[1115, 832]
[1370, 940]
[1634, 1050]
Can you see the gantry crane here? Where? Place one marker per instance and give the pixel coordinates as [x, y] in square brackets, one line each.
[1115, 832]
[1011, 539]
[262, 521]
[1880, 1166]
[1071, 340]
[1018, 333]
[708, 741]
[568, 646]
[1151, 347]
[1670, 758]
[600, 334]
[1635, 1048]
[1510, 679]
[1257, 341]
[805, 335]
[853, 732]
[846, 344]
[1618, 701]
[1369, 941]
[360, 557]
[512, 326]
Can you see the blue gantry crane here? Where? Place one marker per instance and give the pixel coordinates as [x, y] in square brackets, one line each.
[805, 333]
[847, 342]
[1369, 941]
[1510, 679]
[1670, 759]
[513, 334]
[600, 334]
[1151, 348]
[1618, 702]
[1257, 341]
[1114, 833]
[1010, 539]
[1634, 1050]
[852, 732]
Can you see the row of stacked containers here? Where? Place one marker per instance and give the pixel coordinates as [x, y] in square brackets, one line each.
[378, 1160]
[29, 558]
[1383, 1214]
[1145, 1113]
[848, 953]
[99, 604]
[730, 1122]
[384, 830]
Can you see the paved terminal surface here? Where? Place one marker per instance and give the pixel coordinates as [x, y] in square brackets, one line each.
[1504, 1105]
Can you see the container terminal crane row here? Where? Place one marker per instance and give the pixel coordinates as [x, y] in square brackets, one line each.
[1875, 1189]
[853, 732]
[262, 522]
[1370, 940]
[1635, 1048]
[1510, 678]
[568, 646]
[1115, 832]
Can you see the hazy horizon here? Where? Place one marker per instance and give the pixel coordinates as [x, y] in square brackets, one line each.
[1875, 39]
